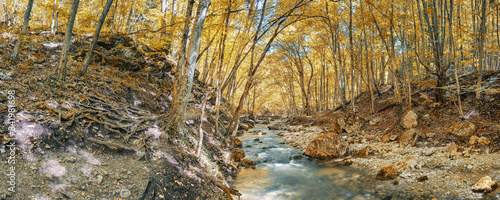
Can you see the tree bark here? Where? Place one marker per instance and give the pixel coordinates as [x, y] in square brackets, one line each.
[95, 38]
[482, 35]
[185, 77]
[61, 66]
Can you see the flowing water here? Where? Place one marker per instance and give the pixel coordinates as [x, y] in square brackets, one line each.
[282, 173]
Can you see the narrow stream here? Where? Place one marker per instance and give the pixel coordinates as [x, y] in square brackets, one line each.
[283, 173]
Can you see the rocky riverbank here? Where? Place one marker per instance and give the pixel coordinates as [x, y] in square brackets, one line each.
[429, 151]
[448, 171]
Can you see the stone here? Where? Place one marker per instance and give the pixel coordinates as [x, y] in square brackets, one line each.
[243, 127]
[346, 162]
[326, 146]
[99, 178]
[386, 138]
[125, 193]
[238, 155]
[463, 130]
[393, 137]
[49, 176]
[247, 162]
[374, 121]
[408, 137]
[422, 178]
[393, 171]
[484, 141]
[277, 126]
[400, 151]
[409, 120]
[429, 151]
[238, 143]
[485, 185]
[473, 140]
[256, 139]
[368, 150]
[351, 123]
[451, 148]
[69, 159]
[297, 157]
[260, 133]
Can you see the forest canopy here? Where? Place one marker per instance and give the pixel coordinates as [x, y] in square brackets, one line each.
[293, 56]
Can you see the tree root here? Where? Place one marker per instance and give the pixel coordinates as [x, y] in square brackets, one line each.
[121, 119]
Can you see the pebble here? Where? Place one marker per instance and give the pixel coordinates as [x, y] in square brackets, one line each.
[49, 176]
[69, 159]
[125, 193]
[99, 178]
[429, 151]
[393, 137]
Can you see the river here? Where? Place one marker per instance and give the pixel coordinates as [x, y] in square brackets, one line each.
[283, 173]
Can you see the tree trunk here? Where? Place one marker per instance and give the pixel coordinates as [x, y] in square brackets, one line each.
[56, 24]
[171, 29]
[185, 35]
[185, 77]
[95, 38]
[15, 53]
[351, 52]
[61, 66]
[482, 35]
[203, 105]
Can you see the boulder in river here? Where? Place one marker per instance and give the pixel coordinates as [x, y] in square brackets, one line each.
[259, 133]
[238, 155]
[238, 143]
[485, 185]
[243, 127]
[245, 162]
[326, 146]
[277, 126]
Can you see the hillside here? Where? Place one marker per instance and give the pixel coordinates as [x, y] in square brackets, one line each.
[102, 135]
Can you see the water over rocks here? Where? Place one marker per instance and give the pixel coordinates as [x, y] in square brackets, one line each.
[450, 169]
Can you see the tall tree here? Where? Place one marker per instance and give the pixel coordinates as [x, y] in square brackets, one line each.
[185, 75]
[95, 38]
[482, 35]
[435, 21]
[15, 53]
[61, 66]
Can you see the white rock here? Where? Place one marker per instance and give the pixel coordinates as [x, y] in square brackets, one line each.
[485, 185]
